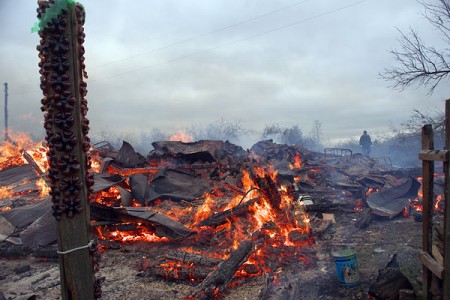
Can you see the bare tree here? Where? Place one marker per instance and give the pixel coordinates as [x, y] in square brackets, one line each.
[418, 119]
[418, 63]
[316, 131]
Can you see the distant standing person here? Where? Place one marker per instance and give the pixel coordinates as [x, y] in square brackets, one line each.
[365, 142]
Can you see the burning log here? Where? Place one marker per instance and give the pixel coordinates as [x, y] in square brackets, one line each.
[171, 271]
[223, 216]
[31, 161]
[217, 281]
[269, 189]
[180, 266]
[192, 258]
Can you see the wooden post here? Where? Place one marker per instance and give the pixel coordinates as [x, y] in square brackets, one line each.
[432, 268]
[446, 279]
[62, 69]
[427, 188]
[6, 111]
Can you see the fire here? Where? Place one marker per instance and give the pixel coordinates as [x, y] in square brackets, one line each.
[416, 203]
[108, 197]
[11, 152]
[279, 225]
[95, 160]
[205, 210]
[438, 201]
[129, 172]
[43, 188]
[5, 192]
[297, 162]
[181, 136]
[139, 233]
[262, 213]
[371, 190]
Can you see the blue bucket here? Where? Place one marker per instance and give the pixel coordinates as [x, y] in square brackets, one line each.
[346, 267]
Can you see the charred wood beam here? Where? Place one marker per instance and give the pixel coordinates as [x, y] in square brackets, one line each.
[10, 250]
[269, 189]
[31, 161]
[174, 273]
[192, 258]
[217, 281]
[223, 216]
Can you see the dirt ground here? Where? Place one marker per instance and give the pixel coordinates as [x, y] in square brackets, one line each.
[29, 278]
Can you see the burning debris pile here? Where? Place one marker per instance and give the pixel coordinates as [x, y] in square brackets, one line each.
[209, 212]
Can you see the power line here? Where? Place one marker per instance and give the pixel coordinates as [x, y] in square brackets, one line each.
[233, 42]
[204, 34]
[26, 83]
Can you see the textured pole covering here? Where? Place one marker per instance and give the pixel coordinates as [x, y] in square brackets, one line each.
[61, 51]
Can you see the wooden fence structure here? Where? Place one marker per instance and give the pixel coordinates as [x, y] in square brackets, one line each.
[436, 269]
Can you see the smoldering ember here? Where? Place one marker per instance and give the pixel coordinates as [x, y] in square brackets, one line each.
[208, 219]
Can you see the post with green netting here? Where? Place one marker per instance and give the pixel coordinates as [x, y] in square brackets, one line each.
[62, 70]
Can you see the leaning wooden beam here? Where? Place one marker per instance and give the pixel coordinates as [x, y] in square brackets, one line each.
[428, 261]
[31, 161]
[217, 280]
[62, 69]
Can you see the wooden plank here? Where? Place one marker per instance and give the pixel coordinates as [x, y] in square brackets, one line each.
[427, 188]
[446, 284]
[431, 264]
[434, 155]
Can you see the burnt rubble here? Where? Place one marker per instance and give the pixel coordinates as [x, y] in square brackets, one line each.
[178, 176]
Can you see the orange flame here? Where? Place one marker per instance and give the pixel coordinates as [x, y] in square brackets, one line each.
[10, 152]
[181, 136]
[297, 162]
[205, 210]
[5, 192]
[43, 188]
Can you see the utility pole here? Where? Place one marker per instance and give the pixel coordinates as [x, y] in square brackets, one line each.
[6, 111]
[62, 67]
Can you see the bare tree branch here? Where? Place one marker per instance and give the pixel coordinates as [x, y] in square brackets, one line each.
[417, 63]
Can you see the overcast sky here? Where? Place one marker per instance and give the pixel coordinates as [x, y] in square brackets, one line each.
[172, 64]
